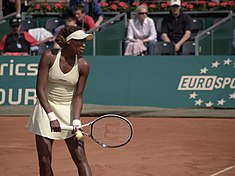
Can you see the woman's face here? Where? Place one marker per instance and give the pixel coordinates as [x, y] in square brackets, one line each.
[142, 14]
[78, 46]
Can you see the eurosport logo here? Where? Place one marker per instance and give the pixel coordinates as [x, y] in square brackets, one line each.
[205, 83]
[209, 82]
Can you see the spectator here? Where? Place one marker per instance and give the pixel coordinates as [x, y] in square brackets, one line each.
[84, 21]
[141, 30]
[17, 43]
[176, 27]
[69, 21]
[92, 9]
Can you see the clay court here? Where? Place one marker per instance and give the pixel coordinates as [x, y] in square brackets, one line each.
[160, 147]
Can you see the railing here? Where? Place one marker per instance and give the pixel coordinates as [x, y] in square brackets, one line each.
[110, 21]
[210, 31]
[5, 18]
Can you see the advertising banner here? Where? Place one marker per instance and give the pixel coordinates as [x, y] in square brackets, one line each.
[156, 81]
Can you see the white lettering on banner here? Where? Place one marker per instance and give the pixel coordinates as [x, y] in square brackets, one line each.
[33, 69]
[19, 69]
[3, 95]
[19, 97]
[205, 83]
[29, 95]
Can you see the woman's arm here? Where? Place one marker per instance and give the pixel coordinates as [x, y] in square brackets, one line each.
[152, 31]
[43, 70]
[46, 62]
[130, 31]
[77, 101]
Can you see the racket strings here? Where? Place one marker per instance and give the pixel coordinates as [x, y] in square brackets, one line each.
[112, 131]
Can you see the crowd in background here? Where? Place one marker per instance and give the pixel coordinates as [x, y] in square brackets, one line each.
[141, 36]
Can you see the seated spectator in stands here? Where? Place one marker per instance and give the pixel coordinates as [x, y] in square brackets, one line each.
[17, 43]
[21, 43]
[68, 21]
[176, 27]
[92, 9]
[141, 33]
[84, 21]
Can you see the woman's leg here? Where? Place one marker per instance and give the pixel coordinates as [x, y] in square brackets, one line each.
[44, 149]
[77, 151]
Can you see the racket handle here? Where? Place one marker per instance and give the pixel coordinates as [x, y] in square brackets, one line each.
[69, 128]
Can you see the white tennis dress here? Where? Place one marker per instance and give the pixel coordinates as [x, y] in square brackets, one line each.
[59, 90]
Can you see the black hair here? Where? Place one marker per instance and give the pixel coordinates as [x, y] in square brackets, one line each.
[61, 39]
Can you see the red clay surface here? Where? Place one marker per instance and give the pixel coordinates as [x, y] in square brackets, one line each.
[160, 147]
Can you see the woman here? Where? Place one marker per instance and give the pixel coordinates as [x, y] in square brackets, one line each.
[60, 85]
[141, 32]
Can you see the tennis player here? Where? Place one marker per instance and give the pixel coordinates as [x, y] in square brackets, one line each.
[61, 81]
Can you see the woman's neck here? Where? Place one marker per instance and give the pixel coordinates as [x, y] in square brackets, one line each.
[67, 54]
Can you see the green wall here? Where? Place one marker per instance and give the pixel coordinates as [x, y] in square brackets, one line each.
[160, 81]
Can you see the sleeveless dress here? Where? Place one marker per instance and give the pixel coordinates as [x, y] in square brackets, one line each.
[59, 90]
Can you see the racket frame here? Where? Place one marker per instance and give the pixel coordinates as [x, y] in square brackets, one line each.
[72, 128]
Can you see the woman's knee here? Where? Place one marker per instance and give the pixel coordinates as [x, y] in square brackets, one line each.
[80, 154]
[45, 162]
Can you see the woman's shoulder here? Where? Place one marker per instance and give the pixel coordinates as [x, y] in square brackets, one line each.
[51, 52]
[84, 65]
[83, 62]
[49, 55]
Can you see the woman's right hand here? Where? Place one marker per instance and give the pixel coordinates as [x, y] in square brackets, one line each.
[55, 126]
[54, 123]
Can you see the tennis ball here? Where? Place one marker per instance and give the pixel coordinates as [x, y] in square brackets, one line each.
[78, 134]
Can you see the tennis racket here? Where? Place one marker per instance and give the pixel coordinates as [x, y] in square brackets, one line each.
[109, 130]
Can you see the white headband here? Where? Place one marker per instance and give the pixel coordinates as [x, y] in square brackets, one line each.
[79, 35]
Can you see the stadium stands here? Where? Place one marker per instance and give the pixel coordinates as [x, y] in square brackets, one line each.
[165, 48]
[188, 48]
[29, 24]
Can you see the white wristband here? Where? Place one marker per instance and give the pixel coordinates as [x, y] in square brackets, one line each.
[52, 116]
[77, 123]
